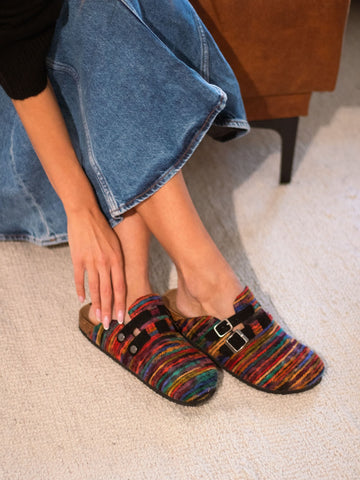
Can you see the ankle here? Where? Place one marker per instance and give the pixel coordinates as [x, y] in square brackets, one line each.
[209, 293]
[188, 300]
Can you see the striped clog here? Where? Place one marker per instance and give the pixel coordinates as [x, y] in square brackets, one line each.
[159, 355]
[252, 346]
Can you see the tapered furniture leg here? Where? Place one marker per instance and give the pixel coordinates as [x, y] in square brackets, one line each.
[287, 128]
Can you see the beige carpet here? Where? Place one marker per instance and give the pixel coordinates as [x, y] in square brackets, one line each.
[69, 412]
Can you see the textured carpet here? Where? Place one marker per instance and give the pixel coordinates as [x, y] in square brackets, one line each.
[69, 412]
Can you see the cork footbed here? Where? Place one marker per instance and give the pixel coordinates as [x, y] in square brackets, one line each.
[85, 325]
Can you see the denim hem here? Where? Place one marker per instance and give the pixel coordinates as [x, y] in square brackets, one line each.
[41, 242]
[237, 123]
[178, 163]
[113, 222]
[164, 178]
[116, 214]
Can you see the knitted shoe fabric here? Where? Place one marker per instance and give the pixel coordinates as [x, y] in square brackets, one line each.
[258, 351]
[159, 355]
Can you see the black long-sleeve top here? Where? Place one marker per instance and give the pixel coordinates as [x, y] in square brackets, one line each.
[26, 31]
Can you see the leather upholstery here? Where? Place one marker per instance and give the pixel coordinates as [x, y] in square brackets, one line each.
[280, 51]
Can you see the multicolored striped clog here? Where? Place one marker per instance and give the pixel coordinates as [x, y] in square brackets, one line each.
[159, 355]
[251, 346]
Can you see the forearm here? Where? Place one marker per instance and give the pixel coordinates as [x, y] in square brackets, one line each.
[45, 126]
[94, 246]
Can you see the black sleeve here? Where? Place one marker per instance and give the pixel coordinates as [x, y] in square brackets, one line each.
[26, 31]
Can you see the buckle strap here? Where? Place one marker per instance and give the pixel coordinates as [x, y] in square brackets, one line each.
[236, 341]
[225, 326]
[238, 338]
[241, 316]
[220, 329]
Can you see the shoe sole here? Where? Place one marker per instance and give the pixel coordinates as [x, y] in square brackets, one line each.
[86, 326]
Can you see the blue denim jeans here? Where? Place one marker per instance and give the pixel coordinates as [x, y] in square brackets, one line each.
[139, 83]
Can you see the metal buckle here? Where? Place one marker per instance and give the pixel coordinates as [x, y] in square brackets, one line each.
[234, 346]
[221, 324]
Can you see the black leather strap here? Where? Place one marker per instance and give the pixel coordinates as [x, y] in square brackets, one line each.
[235, 342]
[225, 326]
[163, 326]
[141, 319]
[264, 319]
[248, 331]
[162, 311]
[239, 338]
[137, 322]
[138, 342]
[242, 316]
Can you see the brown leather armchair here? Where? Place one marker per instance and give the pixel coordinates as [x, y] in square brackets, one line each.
[281, 52]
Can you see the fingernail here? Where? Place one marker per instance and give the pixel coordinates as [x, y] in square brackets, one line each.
[81, 299]
[120, 317]
[106, 322]
[98, 314]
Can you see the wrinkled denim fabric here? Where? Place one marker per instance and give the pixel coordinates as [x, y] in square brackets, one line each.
[139, 83]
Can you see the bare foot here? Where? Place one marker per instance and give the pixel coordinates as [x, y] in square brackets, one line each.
[207, 297]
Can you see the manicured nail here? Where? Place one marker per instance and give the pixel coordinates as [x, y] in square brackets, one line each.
[120, 317]
[106, 322]
[98, 314]
[81, 299]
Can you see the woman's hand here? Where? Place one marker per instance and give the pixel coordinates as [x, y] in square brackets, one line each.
[95, 248]
[93, 244]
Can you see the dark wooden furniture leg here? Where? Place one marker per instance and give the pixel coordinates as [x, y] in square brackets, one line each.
[287, 128]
